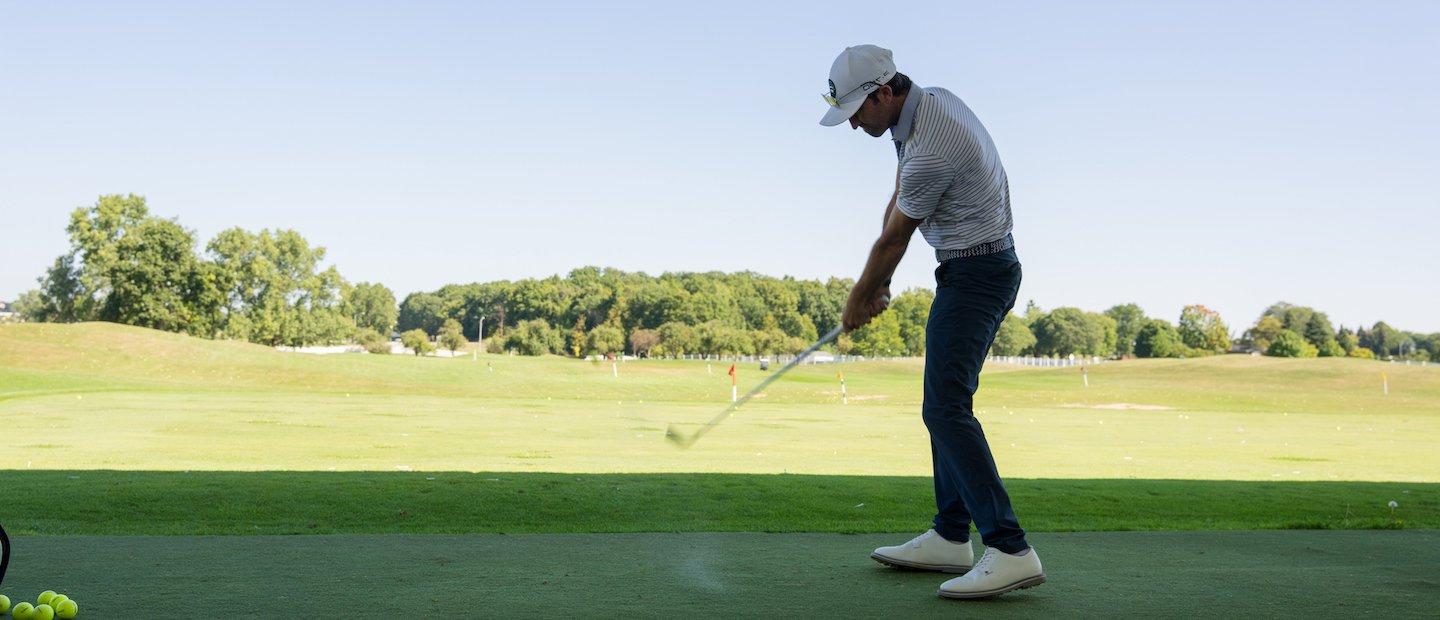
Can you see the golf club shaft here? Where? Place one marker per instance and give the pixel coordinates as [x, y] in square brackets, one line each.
[834, 333]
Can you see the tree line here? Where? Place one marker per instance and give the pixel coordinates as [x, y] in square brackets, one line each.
[1283, 330]
[126, 265]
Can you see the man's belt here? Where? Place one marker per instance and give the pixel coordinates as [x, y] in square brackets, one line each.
[993, 247]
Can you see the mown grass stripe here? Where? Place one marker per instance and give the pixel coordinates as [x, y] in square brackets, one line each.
[246, 503]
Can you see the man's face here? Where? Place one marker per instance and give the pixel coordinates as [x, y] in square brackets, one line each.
[873, 115]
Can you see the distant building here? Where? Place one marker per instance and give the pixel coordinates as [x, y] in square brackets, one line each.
[1241, 346]
[7, 312]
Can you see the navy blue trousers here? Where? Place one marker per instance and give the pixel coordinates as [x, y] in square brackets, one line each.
[972, 297]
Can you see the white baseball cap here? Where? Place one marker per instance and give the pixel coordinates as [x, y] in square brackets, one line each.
[857, 72]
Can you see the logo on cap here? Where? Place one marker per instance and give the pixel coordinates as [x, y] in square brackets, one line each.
[832, 88]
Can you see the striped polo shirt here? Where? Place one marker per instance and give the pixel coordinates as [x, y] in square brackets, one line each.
[950, 173]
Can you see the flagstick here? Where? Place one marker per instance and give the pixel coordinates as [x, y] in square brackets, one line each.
[734, 384]
[1085, 374]
[615, 368]
[844, 398]
[1385, 383]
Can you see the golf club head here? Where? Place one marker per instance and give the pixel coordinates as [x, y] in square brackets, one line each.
[675, 436]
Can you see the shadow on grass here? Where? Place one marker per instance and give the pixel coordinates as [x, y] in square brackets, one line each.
[55, 502]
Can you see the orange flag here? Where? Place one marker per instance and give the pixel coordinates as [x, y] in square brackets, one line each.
[732, 374]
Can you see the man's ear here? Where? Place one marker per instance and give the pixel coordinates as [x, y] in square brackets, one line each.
[886, 92]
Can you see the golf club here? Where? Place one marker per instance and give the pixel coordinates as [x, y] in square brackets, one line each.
[4, 553]
[682, 440]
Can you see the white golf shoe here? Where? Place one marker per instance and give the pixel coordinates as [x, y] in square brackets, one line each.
[928, 551]
[996, 573]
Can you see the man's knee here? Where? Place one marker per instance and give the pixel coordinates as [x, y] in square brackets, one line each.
[944, 415]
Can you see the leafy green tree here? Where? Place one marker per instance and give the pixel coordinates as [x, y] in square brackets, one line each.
[1321, 335]
[1129, 318]
[534, 337]
[1291, 317]
[127, 266]
[1059, 332]
[275, 292]
[576, 341]
[1382, 339]
[716, 337]
[425, 311]
[1430, 345]
[156, 281]
[62, 295]
[678, 338]
[1362, 353]
[880, 337]
[642, 341]
[418, 341]
[912, 312]
[371, 305]
[770, 341]
[1319, 332]
[28, 305]
[452, 337]
[1013, 338]
[372, 340]
[78, 285]
[1158, 338]
[1032, 312]
[1201, 329]
[1264, 332]
[824, 302]
[1346, 339]
[1065, 331]
[1101, 331]
[797, 325]
[605, 340]
[1291, 344]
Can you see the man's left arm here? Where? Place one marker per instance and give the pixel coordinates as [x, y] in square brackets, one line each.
[885, 255]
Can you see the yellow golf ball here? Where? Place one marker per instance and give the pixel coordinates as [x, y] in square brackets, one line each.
[22, 611]
[67, 610]
[4, 603]
[44, 598]
[43, 612]
[55, 601]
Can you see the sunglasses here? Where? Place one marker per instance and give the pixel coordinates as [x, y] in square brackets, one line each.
[835, 102]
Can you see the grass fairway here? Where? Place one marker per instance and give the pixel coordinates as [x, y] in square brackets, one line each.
[248, 503]
[1129, 574]
[100, 396]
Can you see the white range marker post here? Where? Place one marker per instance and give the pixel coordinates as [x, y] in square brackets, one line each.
[615, 367]
[1385, 384]
[844, 398]
[1085, 375]
[479, 338]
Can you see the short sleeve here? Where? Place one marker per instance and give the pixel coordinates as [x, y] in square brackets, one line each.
[923, 179]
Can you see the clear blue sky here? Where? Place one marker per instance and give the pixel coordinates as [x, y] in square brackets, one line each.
[1226, 153]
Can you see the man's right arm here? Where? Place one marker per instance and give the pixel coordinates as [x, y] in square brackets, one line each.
[888, 208]
[893, 197]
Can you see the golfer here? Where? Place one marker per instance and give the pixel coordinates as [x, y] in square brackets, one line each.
[951, 186]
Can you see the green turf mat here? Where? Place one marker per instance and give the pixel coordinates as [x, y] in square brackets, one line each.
[1130, 574]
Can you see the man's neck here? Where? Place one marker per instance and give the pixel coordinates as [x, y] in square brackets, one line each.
[899, 107]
